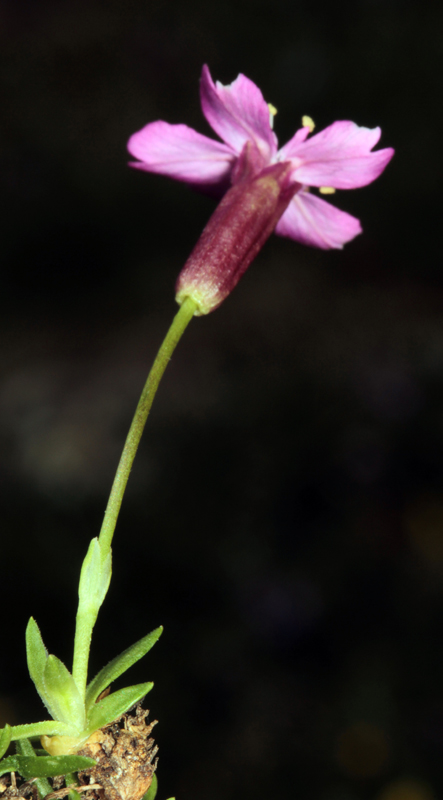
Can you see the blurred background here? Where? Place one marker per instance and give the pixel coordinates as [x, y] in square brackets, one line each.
[284, 520]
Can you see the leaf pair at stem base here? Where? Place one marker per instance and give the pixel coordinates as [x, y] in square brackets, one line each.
[76, 718]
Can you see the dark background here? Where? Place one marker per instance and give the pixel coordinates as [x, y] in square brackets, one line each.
[284, 519]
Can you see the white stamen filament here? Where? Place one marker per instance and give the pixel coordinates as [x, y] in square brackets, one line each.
[272, 113]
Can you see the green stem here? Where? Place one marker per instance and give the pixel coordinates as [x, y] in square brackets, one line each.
[173, 336]
[87, 612]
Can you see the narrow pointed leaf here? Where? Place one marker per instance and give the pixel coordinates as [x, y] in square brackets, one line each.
[50, 766]
[9, 764]
[152, 791]
[115, 704]
[119, 665]
[49, 727]
[25, 748]
[63, 694]
[37, 656]
[5, 739]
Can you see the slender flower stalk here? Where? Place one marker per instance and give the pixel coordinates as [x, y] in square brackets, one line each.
[96, 571]
[173, 336]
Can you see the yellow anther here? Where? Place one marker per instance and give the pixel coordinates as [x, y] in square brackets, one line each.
[308, 122]
[272, 113]
[326, 190]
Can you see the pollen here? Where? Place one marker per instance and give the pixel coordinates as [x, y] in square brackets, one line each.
[308, 122]
[272, 113]
[326, 190]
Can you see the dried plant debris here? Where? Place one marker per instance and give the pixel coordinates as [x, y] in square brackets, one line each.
[9, 788]
[125, 758]
[126, 761]
[60, 793]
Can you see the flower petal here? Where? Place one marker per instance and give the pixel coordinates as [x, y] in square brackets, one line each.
[181, 153]
[291, 147]
[338, 156]
[310, 220]
[238, 113]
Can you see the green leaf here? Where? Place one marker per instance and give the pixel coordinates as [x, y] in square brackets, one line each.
[25, 748]
[50, 766]
[114, 705]
[63, 694]
[152, 791]
[119, 665]
[37, 656]
[5, 739]
[47, 728]
[9, 764]
[95, 577]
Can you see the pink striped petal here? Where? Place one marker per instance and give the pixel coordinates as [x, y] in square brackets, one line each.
[310, 220]
[181, 153]
[338, 156]
[238, 113]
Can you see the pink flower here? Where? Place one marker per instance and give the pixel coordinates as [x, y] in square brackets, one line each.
[339, 157]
